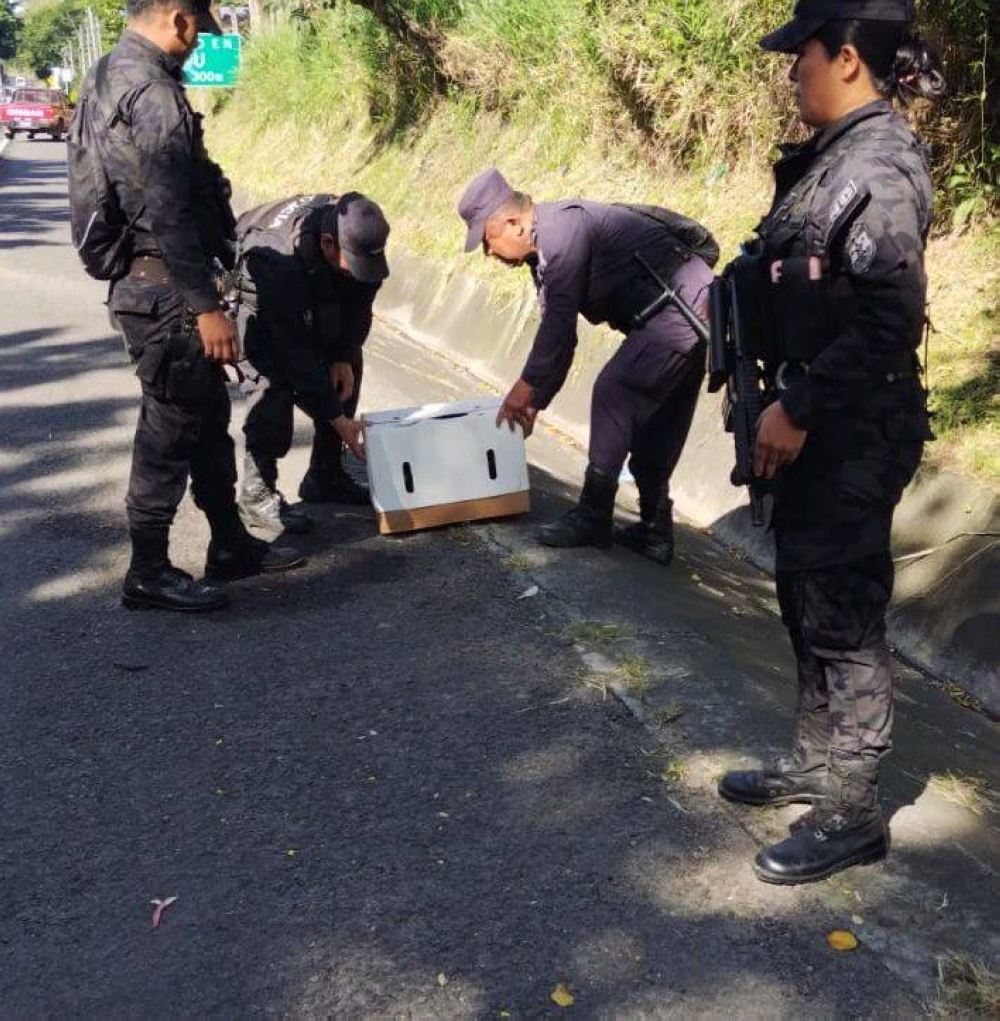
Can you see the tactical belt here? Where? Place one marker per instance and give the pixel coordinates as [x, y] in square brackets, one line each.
[151, 268]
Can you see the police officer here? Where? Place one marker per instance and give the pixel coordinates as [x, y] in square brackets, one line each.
[168, 308]
[310, 269]
[849, 220]
[583, 259]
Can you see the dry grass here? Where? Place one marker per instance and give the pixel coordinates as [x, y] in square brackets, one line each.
[969, 792]
[967, 988]
[597, 632]
[634, 675]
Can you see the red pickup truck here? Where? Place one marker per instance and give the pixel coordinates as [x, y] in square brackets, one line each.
[36, 112]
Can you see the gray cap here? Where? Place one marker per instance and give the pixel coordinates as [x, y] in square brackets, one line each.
[811, 15]
[362, 232]
[487, 193]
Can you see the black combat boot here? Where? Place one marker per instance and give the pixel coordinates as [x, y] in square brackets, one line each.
[801, 778]
[653, 535]
[333, 486]
[234, 553]
[153, 583]
[844, 830]
[261, 505]
[589, 522]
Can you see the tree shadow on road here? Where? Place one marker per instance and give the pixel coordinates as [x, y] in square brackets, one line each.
[378, 785]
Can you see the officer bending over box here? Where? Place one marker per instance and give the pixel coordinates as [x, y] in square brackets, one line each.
[310, 267]
[602, 262]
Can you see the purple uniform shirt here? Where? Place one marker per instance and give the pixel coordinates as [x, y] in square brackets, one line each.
[586, 255]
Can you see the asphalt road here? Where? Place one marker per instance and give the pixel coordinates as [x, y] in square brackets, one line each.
[384, 785]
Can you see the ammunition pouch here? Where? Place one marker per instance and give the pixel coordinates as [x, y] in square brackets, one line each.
[788, 311]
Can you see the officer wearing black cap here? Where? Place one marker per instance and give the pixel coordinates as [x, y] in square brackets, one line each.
[839, 264]
[593, 259]
[167, 304]
[310, 269]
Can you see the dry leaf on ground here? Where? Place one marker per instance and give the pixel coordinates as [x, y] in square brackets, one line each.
[840, 939]
[562, 997]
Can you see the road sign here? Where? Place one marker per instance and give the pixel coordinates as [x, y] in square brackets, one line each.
[216, 62]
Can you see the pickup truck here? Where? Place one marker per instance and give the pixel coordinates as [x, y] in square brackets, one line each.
[36, 112]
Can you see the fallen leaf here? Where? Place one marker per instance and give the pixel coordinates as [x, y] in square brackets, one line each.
[841, 939]
[857, 920]
[562, 997]
[291, 852]
[442, 979]
[159, 906]
[529, 593]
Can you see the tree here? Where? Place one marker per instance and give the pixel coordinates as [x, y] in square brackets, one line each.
[10, 30]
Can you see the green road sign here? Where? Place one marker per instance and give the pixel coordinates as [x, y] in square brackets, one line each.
[216, 61]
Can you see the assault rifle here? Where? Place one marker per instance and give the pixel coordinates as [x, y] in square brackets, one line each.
[730, 366]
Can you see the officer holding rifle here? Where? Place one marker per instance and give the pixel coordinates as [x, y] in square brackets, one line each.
[828, 302]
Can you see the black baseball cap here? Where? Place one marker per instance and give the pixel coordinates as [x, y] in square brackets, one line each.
[206, 18]
[811, 15]
[362, 232]
[484, 196]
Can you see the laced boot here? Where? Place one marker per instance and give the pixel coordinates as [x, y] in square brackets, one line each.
[153, 583]
[846, 829]
[261, 505]
[800, 778]
[653, 535]
[589, 523]
[234, 553]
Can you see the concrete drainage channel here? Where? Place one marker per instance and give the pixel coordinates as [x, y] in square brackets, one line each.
[947, 538]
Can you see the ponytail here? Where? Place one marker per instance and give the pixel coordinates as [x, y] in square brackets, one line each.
[916, 73]
[903, 67]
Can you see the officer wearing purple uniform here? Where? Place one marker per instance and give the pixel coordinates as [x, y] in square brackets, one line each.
[585, 260]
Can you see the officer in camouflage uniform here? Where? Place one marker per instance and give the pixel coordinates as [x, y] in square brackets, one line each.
[853, 204]
[168, 307]
[310, 268]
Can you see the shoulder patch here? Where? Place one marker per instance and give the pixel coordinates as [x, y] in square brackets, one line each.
[859, 251]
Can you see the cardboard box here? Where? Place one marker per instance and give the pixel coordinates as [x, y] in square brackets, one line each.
[443, 464]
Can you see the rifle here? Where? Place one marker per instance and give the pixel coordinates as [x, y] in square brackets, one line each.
[731, 365]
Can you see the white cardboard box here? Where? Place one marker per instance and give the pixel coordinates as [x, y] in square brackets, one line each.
[444, 463]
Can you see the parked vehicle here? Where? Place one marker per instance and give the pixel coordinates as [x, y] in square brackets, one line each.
[36, 112]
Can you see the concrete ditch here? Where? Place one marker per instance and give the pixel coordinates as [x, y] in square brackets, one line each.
[945, 618]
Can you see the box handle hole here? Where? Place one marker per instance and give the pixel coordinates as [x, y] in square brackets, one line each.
[408, 476]
[491, 463]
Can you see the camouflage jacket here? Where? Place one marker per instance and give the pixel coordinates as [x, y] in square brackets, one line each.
[310, 314]
[155, 156]
[859, 195]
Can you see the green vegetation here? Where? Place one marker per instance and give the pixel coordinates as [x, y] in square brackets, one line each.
[10, 30]
[666, 101]
[47, 28]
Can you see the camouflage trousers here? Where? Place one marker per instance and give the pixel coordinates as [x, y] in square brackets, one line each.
[836, 620]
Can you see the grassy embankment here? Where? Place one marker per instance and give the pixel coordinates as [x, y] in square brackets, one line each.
[651, 101]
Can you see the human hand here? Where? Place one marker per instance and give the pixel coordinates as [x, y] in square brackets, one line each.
[220, 339]
[352, 433]
[516, 408]
[779, 441]
[342, 378]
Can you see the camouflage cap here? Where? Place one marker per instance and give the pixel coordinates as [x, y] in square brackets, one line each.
[811, 15]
